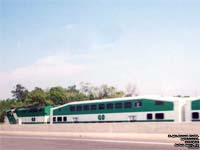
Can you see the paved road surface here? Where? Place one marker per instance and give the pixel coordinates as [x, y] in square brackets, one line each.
[8, 142]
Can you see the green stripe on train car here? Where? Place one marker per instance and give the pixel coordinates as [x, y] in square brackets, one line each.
[29, 112]
[195, 105]
[147, 105]
[11, 118]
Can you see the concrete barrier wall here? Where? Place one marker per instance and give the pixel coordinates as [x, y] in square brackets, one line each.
[152, 128]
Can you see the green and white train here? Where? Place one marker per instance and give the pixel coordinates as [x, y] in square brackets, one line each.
[131, 109]
[29, 115]
[128, 109]
[192, 110]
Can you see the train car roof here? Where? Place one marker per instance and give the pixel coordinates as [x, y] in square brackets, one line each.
[31, 108]
[193, 98]
[158, 98]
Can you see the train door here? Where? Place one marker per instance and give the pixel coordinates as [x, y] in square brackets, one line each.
[132, 118]
[19, 121]
[75, 119]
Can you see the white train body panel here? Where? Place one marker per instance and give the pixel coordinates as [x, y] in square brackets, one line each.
[120, 117]
[33, 119]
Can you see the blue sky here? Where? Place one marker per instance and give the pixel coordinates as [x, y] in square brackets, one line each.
[153, 44]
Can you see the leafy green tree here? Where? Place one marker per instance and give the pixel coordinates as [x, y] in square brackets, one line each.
[72, 89]
[57, 95]
[106, 91]
[3, 108]
[6, 105]
[118, 94]
[73, 94]
[20, 92]
[103, 91]
[38, 97]
[90, 91]
[131, 90]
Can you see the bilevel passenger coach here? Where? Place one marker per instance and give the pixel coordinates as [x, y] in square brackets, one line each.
[130, 109]
[127, 109]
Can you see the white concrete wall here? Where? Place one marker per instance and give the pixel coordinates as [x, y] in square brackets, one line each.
[132, 127]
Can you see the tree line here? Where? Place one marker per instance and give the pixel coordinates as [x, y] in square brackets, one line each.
[58, 95]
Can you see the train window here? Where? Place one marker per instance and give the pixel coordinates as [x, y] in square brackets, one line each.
[86, 107]
[59, 119]
[159, 116]
[101, 106]
[54, 119]
[109, 106]
[93, 107]
[79, 108]
[33, 119]
[127, 105]
[195, 115]
[72, 108]
[65, 119]
[138, 104]
[159, 102]
[149, 117]
[118, 105]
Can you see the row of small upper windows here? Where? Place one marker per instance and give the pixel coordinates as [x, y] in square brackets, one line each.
[109, 106]
[30, 111]
[103, 106]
